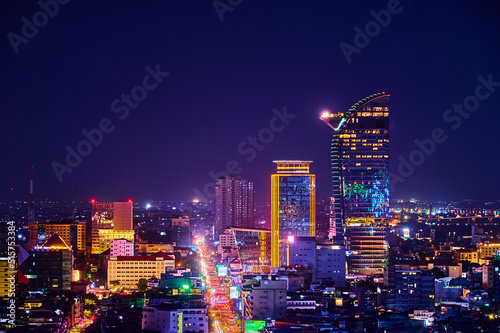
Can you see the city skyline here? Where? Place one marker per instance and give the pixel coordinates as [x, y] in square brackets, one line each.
[167, 168]
[316, 65]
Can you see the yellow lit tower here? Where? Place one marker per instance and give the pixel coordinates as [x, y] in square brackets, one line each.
[110, 220]
[293, 207]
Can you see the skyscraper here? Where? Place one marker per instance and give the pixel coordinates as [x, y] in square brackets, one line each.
[109, 218]
[234, 203]
[293, 206]
[360, 170]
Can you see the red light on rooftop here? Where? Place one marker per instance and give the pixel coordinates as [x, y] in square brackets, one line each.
[130, 200]
[92, 200]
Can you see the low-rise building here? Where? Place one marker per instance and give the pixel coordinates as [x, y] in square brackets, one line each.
[331, 263]
[151, 248]
[176, 317]
[267, 299]
[469, 255]
[128, 270]
[121, 248]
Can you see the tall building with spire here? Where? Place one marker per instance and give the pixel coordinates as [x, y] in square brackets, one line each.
[360, 170]
[234, 203]
[293, 207]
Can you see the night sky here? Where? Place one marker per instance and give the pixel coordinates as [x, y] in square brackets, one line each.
[224, 79]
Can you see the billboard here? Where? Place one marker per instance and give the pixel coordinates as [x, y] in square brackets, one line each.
[234, 292]
[221, 270]
[406, 233]
[254, 325]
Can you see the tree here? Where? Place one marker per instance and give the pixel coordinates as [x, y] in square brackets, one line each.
[142, 285]
[114, 283]
[438, 274]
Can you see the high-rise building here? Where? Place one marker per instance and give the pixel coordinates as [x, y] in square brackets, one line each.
[293, 206]
[50, 266]
[181, 231]
[360, 170]
[234, 203]
[73, 233]
[109, 218]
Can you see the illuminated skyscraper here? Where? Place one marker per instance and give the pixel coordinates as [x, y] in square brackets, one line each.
[360, 169]
[293, 206]
[110, 220]
[234, 203]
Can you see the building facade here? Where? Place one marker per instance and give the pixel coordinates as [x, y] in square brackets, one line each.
[367, 248]
[114, 216]
[121, 248]
[360, 171]
[50, 266]
[74, 234]
[175, 317]
[129, 270]
[5, 278]
[254, 248]
[267, 299]
[331, 263]
[106, 236]
[302, 251]
[234, 203]
[413, 289]
[181, 232]
[293, 206]
[151, 248]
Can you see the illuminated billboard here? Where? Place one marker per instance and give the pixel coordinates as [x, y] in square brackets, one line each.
[406, 233]
[254, 325]
[234, 292]
[221, 270]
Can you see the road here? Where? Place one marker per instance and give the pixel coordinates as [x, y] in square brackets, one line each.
[217, 297]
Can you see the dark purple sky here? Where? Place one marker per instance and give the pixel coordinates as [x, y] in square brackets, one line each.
[225, 78]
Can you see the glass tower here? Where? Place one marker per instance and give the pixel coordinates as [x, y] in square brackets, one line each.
[293, 206]
[360, 170]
